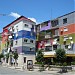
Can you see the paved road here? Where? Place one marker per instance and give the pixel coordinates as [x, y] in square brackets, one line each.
[8, 71]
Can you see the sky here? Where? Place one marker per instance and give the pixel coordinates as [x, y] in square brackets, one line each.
[36, 10]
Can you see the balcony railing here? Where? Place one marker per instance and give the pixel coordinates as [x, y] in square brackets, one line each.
[70, 52]
[56, 35]
[48, 44]
[47, 36]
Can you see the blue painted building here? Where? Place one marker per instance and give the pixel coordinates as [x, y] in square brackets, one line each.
[23, 38]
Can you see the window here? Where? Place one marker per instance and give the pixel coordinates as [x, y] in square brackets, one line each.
[48, 48]
[24, 59]
[25, 25]
[25, 40]
[31, 34]
[31, 41]
[44, 24]
[54, 47]
[57, 32]
[17, 28]
[31, 49]
[64, 42]
[13, 29]
[54, 23]
[64, 20]
[16, 42]
[32, 26]
[66, 46]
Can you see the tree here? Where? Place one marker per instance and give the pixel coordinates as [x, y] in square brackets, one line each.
[1, 56]
[39, 56]
[40, 60]
[7, 57]
[15, 56]
[60, 55]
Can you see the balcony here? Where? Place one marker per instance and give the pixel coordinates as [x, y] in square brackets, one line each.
[48, 44]
[49, 54]
[47, 36]
[70, 52]
[56, 35]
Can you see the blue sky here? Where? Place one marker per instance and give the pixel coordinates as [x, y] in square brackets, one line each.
[37, 10]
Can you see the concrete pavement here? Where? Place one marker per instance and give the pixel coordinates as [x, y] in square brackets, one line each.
[19, 71]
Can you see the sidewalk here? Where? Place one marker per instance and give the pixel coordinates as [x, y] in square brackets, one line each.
[51, 71]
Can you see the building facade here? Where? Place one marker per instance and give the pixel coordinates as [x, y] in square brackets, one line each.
[57, 33]
[20, 36]
[0, 42]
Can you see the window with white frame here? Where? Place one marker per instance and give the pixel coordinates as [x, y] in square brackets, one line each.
[31, 33]
[64, 20]
[31, 41]
[31, 49]
[16, 42]
[25, 40]
[56, 32]
[17, 28]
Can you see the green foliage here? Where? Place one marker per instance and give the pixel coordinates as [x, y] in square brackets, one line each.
[15, 55]
[7, 55]
[38, 62]
[39, 56]
[64, 64]
[72, 63]
[73, 58]
[60, 55]
[1, 56]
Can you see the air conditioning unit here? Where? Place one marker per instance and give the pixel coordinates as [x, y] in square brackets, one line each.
[65, 29]
[69, 47]
[10, 37]
[54, 42]
[71, 42]
[16, 34]
[70, 38]
[55, 39]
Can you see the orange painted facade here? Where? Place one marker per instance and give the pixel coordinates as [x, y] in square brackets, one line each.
[4, 36]
[70, 29]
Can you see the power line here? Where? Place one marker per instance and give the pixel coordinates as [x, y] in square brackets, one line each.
[3, 14]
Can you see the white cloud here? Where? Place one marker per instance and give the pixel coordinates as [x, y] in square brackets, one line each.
[15, 15]
[33, 19]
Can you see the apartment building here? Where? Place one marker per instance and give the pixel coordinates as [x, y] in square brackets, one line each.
[57, 33]
[0, 42]
[20, 36]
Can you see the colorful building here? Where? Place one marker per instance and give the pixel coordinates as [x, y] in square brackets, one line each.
[20, 36]
[57, 33]
[0, 42]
